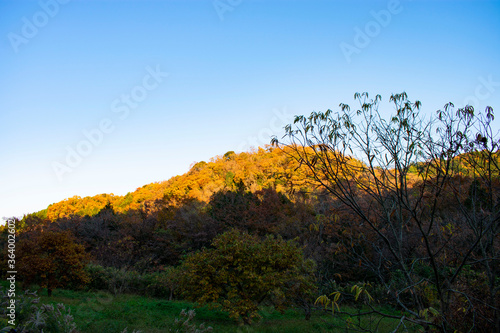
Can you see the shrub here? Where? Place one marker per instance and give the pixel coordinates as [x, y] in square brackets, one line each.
[37, 319]
[162, 284]
[116, 281]
[183, 324]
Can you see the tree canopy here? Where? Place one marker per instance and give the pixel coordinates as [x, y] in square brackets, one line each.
[52, 259]
[242, 271]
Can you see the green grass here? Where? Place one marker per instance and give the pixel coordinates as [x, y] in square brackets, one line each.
[103, 312]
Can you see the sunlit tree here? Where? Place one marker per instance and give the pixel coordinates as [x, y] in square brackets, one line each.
[242, 271]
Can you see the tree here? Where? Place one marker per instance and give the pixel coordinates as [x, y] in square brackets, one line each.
[406, 180]
[242, 271]
[52, 259]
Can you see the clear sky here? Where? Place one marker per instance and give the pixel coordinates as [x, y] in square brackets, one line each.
[107, 96]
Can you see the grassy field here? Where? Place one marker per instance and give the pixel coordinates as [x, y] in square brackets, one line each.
[104, 312]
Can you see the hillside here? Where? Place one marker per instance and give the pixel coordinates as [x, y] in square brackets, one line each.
[266, 167]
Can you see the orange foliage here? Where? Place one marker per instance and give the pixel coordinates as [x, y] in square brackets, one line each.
[257, 170]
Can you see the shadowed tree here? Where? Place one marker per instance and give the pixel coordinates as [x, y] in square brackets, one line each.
[52, 259]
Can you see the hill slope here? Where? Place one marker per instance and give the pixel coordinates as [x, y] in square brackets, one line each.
[262, 168]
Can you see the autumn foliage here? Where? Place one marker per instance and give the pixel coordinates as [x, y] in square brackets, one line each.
[52, 259]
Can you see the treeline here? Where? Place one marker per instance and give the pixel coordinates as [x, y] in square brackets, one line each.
[158, 236]
[263, 168]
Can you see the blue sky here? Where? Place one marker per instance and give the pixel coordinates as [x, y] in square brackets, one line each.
[140, 90]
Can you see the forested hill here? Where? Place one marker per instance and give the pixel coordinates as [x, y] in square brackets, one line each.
[266, 167]
[412, 224]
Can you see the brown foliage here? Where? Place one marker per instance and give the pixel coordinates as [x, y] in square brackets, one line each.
[52, 259]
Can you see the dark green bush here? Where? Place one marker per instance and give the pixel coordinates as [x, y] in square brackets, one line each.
[117, 281]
